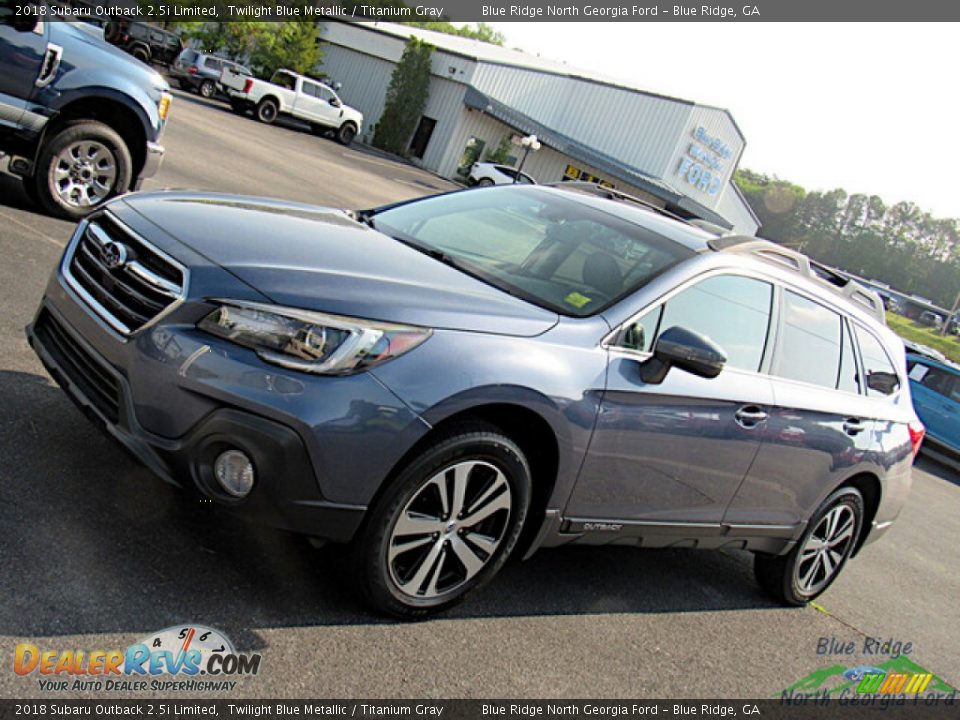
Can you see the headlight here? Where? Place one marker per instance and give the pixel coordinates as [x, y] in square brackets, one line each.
[311, 341]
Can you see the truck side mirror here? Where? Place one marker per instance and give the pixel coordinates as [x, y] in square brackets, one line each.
[23, 23]
[334, 102]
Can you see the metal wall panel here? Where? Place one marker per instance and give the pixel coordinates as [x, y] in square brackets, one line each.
[635, 128]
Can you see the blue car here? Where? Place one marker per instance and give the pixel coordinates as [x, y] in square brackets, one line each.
[445, 382]
[935, 387]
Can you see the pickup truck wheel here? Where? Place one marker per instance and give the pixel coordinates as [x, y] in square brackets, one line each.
[81, 167]
[267, 111]
[346, 133]
[207, 89]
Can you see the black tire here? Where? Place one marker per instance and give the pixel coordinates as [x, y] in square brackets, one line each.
[207, 89]
[488, 448]
[267, 111]
[346, 133]
[485, 182]
[141, 54]
[780, 575]
[45, 181]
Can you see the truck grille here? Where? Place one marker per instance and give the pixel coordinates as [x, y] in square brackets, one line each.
[82, 369]
[125, 279]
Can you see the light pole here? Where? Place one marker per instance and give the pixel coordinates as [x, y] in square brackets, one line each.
[528, 143]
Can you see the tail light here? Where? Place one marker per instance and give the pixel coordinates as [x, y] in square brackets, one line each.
[247, 86]
[917, 431]
[193, 70]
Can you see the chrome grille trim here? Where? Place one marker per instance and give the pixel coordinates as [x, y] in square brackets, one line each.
[121, 296]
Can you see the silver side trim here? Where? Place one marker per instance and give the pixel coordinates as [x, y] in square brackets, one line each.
[49, 66]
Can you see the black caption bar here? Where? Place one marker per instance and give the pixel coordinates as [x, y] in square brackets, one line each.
[852, 708]
[498, 10]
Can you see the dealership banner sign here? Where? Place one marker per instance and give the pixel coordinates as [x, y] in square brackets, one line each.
[494, 10]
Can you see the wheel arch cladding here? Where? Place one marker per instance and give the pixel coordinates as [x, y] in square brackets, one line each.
[114, 114]
[871, 489]
[528, 429]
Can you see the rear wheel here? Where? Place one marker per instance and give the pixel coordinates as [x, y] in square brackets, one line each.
[811, 567]
[446, 525]
[484, 182]
[207, 89]
[346, 133]
[141, 54]
[267, 111]
[82, 166]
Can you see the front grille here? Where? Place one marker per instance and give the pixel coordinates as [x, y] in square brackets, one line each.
[82, 369]
[124, 278]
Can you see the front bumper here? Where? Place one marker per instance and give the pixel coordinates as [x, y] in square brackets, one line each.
[285, 495]
[176, 398]
[154, 159]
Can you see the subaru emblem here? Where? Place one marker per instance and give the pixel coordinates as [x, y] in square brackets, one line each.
[114, 255]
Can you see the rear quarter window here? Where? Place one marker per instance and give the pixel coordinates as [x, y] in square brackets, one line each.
[880, 376]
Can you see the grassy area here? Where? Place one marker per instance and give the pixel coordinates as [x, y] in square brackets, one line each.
[921, 335]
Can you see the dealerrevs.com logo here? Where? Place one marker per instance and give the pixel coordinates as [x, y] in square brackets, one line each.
[181, 658]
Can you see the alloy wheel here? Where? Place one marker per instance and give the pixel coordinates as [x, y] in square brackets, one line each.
[450, 529]
[825, 549]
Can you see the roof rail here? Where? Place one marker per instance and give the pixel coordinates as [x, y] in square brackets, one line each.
[802, 265]
[614, 194]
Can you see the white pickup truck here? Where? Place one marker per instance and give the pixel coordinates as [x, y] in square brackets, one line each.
[291, 94]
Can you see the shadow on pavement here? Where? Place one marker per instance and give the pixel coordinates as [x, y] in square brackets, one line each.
[92, 542]
[13, 195]
[940, 465]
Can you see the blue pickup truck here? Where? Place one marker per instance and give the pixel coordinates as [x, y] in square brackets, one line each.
[80, 120]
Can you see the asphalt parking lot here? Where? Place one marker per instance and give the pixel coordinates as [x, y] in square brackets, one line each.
[97, 553]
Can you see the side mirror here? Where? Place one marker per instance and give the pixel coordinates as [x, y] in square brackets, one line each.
[685, 349]
[883, 382]
[335, 102]
[24, 23]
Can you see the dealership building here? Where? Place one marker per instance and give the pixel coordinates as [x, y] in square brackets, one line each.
[675, 153]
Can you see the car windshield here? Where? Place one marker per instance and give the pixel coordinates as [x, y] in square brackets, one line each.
[544, 246]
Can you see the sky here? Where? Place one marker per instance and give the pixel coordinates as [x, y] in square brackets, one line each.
[871, 108]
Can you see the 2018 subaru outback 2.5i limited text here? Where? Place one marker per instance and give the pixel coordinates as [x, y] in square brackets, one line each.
[444, 382]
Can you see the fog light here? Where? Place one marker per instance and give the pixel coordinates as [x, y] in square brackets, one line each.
[234, 471]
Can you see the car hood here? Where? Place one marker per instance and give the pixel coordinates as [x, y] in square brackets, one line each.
[321, 259]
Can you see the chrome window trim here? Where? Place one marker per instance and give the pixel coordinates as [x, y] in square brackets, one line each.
[99, 310]
[779, 284]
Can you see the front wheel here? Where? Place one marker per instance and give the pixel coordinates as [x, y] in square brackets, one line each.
[82, 166]
[484, 182]
[445, 525]
[346, 133]
[207, 89]
[811, 567]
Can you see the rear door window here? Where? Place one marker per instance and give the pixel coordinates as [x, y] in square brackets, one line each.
[810, 342]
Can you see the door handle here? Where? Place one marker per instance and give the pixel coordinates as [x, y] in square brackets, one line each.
[852, 426]
[749, 416]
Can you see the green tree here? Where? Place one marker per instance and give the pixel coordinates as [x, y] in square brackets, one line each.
[901, 244]
[291, 45]
[235, 40]
[406, 98]
[502, 152]
[480, 31]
